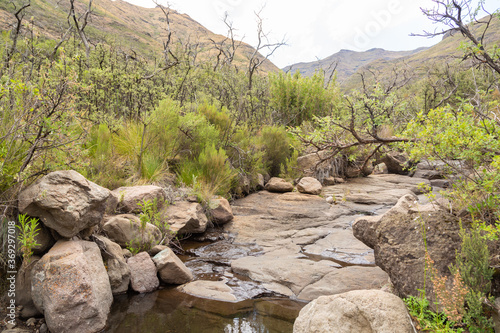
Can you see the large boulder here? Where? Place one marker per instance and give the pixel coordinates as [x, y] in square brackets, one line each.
[118, 270]
[71, 288]
[434, 170]
[399, 243]
[65, 201]
[398, 163]
[365, 227]
[278, 185]
[130, 197]
[309, 185]
[185, 217]
[23, 289]
[171, 269]
[126, 230]
[143, 278]
[321, 165]
[220, 211]
[360, 311]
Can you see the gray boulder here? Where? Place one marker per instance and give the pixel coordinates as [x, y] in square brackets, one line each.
[220, 211]
[278, 185]
[399, 245]
[309, 185]
[126, 229]
[44, 240]
[118, 270]
[65, 201]
[143, 277]
[171, 269]
[398, 163]
[130, 197]
[71, 288]
[360, 311]
[186, 217]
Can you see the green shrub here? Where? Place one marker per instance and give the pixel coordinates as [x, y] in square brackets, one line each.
[473, 264]
[447, 134]
[426, 319]
[276, 145]
[195, 133]
[28, 230]
[297, 99]
[245, 154]
[220, 118]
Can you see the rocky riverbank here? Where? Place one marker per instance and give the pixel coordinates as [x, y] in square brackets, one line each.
[287, 242]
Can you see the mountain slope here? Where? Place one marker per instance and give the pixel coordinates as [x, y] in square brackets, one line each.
[130, 27]
[447, 51]
[347, 62]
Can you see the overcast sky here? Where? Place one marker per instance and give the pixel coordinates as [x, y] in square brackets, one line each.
[315, 29]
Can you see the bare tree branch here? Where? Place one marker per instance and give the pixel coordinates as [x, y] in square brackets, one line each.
[454, 15]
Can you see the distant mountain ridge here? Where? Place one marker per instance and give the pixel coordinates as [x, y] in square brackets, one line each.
[128, 26]
[384, 63]
[347, 62]
[447, 51]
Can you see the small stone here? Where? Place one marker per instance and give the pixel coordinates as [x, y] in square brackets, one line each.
[31, 322]
[157, 249]
[11, 325]
[278, 185]
[43, 328]
[220, 211]
[126, 253]
[329, 181]
[330, 200]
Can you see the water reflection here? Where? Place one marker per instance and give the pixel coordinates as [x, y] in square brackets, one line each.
[171, 311]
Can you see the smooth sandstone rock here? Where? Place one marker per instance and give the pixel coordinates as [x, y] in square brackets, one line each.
[309, 185]
[71, 288]
[278, 185]
[345, 279]
[360, 311]
[217, 290]
[65, 201]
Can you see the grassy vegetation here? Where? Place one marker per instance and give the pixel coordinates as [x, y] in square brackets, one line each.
[121, 118]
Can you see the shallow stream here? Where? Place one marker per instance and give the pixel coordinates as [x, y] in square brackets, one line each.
[169, 310]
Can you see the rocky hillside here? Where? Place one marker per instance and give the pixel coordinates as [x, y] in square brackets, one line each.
[347, 62]
[130, 27]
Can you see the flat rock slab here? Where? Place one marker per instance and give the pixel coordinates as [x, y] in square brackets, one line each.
[341, 245]
[376, 189]
[303, 246]
[344, 280]
[217, 290]
[284, 268]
